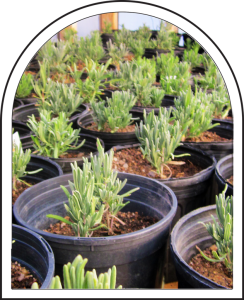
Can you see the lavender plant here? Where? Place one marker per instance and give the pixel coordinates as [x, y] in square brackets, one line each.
[94, 192]
[222, 231]
[53, 136]
[159, 138]
[115, 114]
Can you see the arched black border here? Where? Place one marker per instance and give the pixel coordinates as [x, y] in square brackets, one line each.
[38, 34]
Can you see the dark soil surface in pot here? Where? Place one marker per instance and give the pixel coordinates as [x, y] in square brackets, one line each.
[216, 272]
[207, 137]
[230, 180]
[131, 221]
[131, 161]
[93, 126]
[20, 188]
[21, 278]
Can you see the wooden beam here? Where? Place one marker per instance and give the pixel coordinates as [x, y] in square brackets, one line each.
[109, 17]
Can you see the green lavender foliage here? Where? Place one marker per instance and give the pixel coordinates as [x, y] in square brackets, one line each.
[164, 38]
[117, 53]
[43, 85]
[45, 52]
[167, 64]
[90, 48]
[107, 185]
[115, 112]
[212, 78]
[122, 36]
[62, 98]
[91, 89]
[25, 86]
[222, 230]
[20, 160]
[197, 108]
[192, 57]
[94, 192]
[107, 27]
[221, 101]
[174, 75]
[75, 277]
[159, 138]
[53, 136]
[146, 94]
[143, 33]
[70, 34]
[137, 47]
[82, 202]
[137, 69]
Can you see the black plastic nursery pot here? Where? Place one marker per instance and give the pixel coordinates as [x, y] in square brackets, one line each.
[226, 123]
[106, 37]
[137, 255]
[22, 113]
[50, 170]
[89, 146]
[34, 253]
[217, 149]
[17, 103]
[150, 53]
[22, 128]
[28, 100]
[110, 139]
[191, 192]
[186, 235]
[168, 101]
[223, 171]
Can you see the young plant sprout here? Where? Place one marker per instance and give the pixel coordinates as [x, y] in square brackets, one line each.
[221, 101]
[159, 139]
[94, 193]
[116, 114]
[122, 36]
[164, 38]
[197, 108]
[25, 86]
[53, 136]
[75, 277]
[222, 231]
[20, 160]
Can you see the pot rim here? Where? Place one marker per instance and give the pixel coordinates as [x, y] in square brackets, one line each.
[86, 241]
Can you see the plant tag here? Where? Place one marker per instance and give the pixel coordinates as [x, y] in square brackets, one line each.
[16, 141]
[181, 42]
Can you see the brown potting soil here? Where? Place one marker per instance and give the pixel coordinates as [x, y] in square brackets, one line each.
[230, 180]
[63, 78]
[216, 272]
[208, 136]
[20, 188]
[129, 57]
[93, 127]
[131, 161]
[21, 278]
[132, 222]
[30, 72]
[73, 155]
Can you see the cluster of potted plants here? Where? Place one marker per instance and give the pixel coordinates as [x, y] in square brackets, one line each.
[137, 133]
